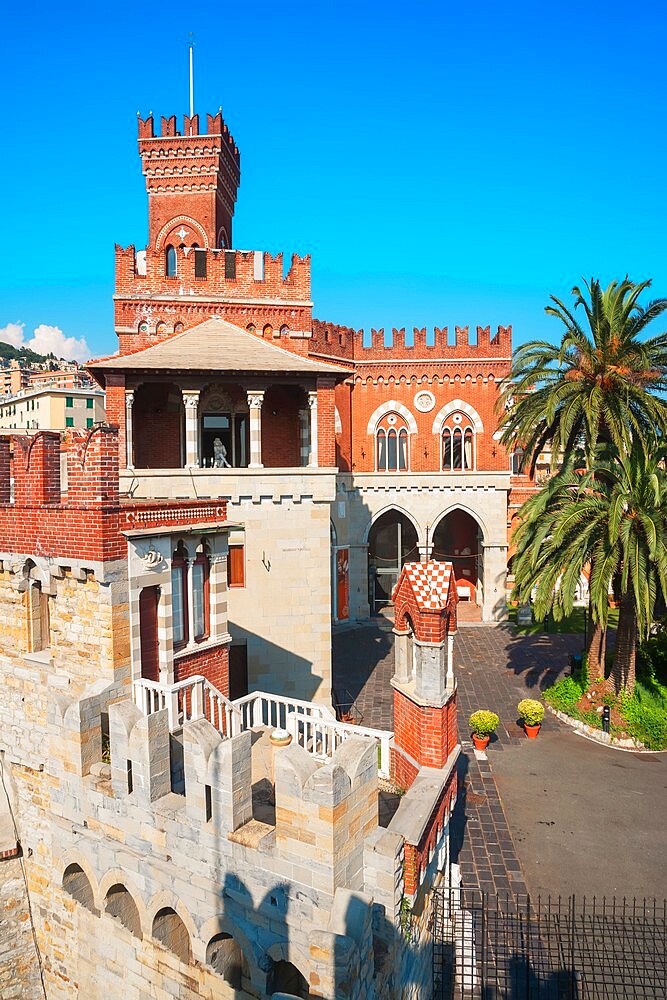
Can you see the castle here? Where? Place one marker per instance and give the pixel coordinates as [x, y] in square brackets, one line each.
[191, 817]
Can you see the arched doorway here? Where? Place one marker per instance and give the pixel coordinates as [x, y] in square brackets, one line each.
[392, 541]
[458, 539]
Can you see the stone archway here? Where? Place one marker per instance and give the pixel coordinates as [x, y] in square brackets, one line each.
[392, 541]
[458, 538]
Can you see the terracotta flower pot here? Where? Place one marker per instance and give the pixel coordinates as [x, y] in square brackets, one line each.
[481, 742]
[532, 731]
[280, 738]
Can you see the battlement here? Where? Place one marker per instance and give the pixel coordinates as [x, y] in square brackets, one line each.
[59, 497]
[343, 342]
[215, 126]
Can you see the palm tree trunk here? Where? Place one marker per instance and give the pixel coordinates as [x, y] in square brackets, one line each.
[596, 653]
[623, 670]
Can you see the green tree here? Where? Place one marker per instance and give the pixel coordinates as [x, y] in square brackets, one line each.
[612, 517]
[598, 385]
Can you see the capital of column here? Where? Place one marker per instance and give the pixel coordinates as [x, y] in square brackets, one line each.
[312, 400]
[129, 398]
[190, 399]
[255, 399]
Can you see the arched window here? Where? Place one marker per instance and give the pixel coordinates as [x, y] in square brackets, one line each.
[458, 443]
[250, 328]
[190, 586]
[391, 436]
[39, 618]
[179, 597]
[171, 932]
[224, 955]
[170, 261]
[77, 885]
[120, 904]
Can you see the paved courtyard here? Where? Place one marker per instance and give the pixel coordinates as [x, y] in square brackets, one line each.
[556, 815]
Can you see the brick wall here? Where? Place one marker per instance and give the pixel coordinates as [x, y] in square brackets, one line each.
[427, 734]
[211, 663]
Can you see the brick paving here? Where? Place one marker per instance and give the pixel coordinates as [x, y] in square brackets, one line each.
[494, 669]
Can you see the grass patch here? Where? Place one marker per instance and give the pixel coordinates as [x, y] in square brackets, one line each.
[642, 715]
[572, 624]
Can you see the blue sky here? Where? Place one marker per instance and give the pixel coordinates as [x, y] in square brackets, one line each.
[444, 164]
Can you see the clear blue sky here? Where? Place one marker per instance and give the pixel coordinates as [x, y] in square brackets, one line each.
[444, 163]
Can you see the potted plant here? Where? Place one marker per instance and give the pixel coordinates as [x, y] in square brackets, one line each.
[483, 723]
[532, 713]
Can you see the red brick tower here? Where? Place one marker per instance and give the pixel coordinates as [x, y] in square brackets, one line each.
[192, 180]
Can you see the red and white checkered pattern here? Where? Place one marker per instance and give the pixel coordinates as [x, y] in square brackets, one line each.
[430, 583]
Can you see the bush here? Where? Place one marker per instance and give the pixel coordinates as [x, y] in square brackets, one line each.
[652, 656]
[564, 694]
[646, 723]
[483, 722]
[531, 711]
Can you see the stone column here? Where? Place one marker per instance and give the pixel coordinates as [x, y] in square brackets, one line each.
[312, 403]
[191, 404]
[255, 400]
[129, 437]
[304, 434]
[217, 588]
[425, 552]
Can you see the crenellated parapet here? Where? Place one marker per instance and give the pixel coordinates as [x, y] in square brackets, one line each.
[441, 344]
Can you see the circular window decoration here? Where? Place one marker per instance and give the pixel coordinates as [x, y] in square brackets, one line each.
[424, 401]
[143, 327]
[457, 418]
[391, 419]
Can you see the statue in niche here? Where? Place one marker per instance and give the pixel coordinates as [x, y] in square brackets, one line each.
[220, 455]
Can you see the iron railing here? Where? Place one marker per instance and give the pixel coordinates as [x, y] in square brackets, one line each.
[489, 947]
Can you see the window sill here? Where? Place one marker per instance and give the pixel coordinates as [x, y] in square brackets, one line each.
[204, 644]
[39, 656]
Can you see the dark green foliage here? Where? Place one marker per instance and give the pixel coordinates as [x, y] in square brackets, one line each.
[21, 354]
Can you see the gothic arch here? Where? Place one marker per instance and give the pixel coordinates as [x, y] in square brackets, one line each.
[466, 510]
[384, 510]
[167, 900]
[391, 406]
[72, 858]
[161, 236]
[118, 876]
[452, 407]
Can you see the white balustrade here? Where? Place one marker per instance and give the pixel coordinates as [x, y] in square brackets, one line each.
[262, 709]
[322, 736]
[185, 701]
[313, 727]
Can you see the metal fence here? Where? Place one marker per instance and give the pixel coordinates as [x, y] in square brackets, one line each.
[488, 947]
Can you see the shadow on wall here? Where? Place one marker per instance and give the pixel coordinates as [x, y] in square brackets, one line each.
[359, 954]
[271, 668]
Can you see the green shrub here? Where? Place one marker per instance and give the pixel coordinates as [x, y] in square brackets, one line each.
[564, 694]
[531, 711]
[483, 722]
[652, 656]
[646, 723]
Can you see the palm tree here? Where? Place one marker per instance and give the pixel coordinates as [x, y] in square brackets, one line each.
[598, 385]
[613, 517]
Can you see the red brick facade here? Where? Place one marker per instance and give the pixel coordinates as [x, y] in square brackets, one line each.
[428, 734]
[210, 663]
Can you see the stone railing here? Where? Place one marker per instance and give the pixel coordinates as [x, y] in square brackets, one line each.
[262, 709]
[185, 701]
[322, 736]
